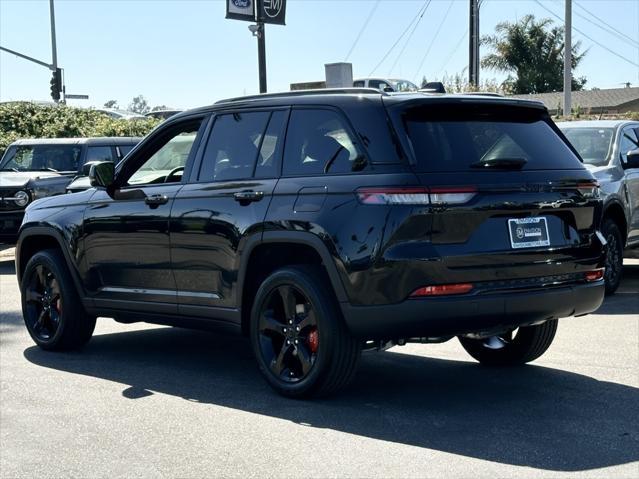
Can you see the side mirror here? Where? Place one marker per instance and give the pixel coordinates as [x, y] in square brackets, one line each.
[632, 160]
[102, 174]
[86, 168]
[388, 89]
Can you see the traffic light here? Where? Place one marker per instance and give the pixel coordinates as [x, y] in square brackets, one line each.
[56, 84]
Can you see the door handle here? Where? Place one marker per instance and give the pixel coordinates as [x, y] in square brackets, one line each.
[248, 196]
[156, 200]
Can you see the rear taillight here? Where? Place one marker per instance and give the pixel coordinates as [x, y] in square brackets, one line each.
[453, 196]
[594, 275]
[589, 189]
[416, 195]
[442, 290]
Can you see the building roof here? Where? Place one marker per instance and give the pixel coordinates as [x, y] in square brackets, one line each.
[609, 98]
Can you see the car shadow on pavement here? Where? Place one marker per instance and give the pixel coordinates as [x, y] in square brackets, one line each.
[531, 416]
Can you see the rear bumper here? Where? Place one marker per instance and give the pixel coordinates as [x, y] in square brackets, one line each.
[451, 316]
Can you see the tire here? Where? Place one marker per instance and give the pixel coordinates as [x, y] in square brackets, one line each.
[321, 356]
[614, 256]
[528, 344]
[51, 307]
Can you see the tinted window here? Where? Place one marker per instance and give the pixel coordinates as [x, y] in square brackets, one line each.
[167, 163]
[358, 84]
[233, 146]
[593, 144]
[451, 139]
[42, 158]
[99, 153]
[318, 142]
[268, 161]
[627, 143]
[124, 149]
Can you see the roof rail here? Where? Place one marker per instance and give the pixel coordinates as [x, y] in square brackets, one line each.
[320, 91]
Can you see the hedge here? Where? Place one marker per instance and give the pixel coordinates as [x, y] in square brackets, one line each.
[30, 120]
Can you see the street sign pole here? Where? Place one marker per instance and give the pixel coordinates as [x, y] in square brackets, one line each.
[261, 45]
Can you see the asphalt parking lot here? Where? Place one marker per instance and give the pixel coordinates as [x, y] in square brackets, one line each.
[146, 401]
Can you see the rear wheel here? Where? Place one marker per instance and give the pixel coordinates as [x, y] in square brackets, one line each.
[514, 347]
[299, 338]
[51, 307]
[614, 256]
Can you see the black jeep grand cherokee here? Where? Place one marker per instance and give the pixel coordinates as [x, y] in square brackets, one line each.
[321, 223]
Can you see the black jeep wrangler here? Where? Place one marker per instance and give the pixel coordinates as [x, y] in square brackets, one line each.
[321, 223]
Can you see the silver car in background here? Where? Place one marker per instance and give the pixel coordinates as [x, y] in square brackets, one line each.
[610, 149]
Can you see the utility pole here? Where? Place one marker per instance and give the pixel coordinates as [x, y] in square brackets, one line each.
[568, 59]
[473, 43]
[261, 45]
[54, 49]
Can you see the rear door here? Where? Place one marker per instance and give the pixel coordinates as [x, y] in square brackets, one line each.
[224, 206]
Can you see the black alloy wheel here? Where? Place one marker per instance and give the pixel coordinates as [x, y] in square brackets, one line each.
[298, 335]
[43, 303]
[289, 338]
[52, 310]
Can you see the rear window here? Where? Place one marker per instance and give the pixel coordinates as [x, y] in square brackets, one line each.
[453, 139]
[593, 144]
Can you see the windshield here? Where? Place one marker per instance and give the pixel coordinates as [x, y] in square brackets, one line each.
[446, 138]
[593, 144]
[403, 85]
[42, 158]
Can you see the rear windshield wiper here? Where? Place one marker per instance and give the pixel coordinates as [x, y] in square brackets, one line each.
[501, 163]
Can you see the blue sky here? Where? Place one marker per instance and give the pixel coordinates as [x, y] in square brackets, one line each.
[183, 53]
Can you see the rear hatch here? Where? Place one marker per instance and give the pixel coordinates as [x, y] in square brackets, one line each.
[511, 204]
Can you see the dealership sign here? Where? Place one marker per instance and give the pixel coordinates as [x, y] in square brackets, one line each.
[268, 11]
[240, 10]
[274, 11]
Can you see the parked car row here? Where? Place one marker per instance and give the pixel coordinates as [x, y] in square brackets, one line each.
[323, 223]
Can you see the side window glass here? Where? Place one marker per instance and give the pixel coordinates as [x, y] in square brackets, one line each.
[358, 84]
[124, 150]
[374, 83]
[166, 164]
[318, 142]
[233, 146]
[99, 153]
[268, 161]
[627, 143]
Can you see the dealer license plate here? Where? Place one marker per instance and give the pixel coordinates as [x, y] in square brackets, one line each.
[528, 232]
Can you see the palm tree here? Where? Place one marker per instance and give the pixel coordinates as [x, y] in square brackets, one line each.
[534, 52]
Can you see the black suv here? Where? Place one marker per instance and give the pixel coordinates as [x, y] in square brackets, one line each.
[322, 223]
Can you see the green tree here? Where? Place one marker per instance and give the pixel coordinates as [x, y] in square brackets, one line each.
[532, 51]
[160, 108]
[139, 105]
[111, 104]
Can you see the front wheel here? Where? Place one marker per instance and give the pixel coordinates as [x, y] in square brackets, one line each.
[514, 347]
[51, 307]
[298, 335]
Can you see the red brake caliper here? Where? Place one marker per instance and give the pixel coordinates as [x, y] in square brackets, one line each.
[313, 340]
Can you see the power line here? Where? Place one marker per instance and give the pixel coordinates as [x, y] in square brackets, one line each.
[421, 64]
[452, 53]
[399, 39]
[359, 35]
[618, 33]
[587, 36]
[409, 38]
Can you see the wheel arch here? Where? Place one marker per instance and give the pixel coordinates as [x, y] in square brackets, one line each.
[36, 239]
[275, 250]
[615, 211]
